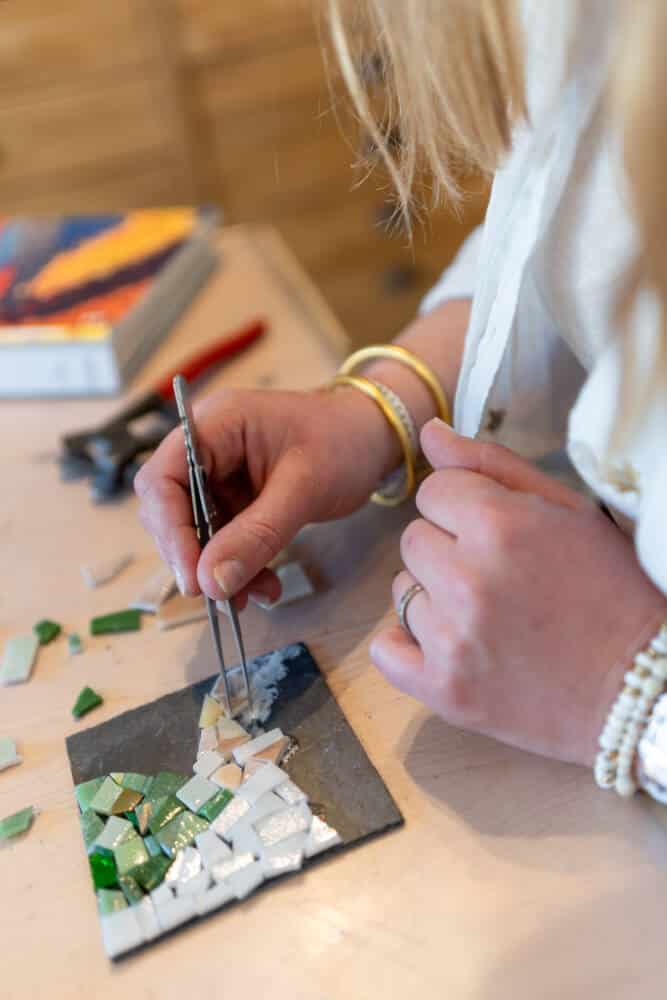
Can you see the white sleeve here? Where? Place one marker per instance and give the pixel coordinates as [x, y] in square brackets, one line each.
[459, 279]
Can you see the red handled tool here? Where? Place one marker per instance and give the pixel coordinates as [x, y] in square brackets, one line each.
[111, 454]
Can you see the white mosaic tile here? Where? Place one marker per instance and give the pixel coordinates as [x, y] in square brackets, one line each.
[246, 841]
[290, 793]
[211, 848]
[294, 819]
[207, 763]
[175, 912]
[246, 880]
[268, 804]
[121, 932]
[248, 750]
[186, 866]
[226, 868]
[261, 782]
[320, 838]
[281, 864]
[235, 811]
[162, 894]
[215, 897]
[228, 776]
[197, 791]
[208, 740]
[18, 659]
[147, 919]
[194, 886]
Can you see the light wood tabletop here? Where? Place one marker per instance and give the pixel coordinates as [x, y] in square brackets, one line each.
[512, 877]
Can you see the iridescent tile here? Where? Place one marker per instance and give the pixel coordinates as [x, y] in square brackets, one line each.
[145, 811]
[131, 889]
[228, 776]
[197, 792]
[116, 830]
[121, 932]
[17, 823]
[110, 901]
[86, 791]
[224, 869]
[236, 809]
[152, 872]
[91, 827]
[246, 841]
[127, 801]
[166, 811]
[266, 806]
[180, 832]
[293, 819]
[187, 864]
[321, 837]
[103, 870]
[130, 855]
[130, 779]
[281, 862]
[290, 793]
[211, 848]
[212, 809]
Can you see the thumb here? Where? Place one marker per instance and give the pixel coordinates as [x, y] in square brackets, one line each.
[242, 548]
[445, 449]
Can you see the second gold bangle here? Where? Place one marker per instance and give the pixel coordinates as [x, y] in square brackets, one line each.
[394, 352]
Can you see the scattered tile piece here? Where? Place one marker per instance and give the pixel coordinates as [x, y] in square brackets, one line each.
[114, 833]
[212, 809]
[103, 870]
[165, 811]
[211, 849]
[320, 838]
[248, 750]
[207, 763]
[187, 864]
[213, 899]
[130, 779]
[131, 890]
[17, 823]
[180, 832]
[290, 793]
[156, 590]
[86, 702]
[104, 572]
[224, 869]
[262, 782]
[197, 792]
[175, 912]
[211, 711]
[274, 753]
[121, 932]
[128, 620]
[165, 783]
[272, 829]
[226, 748]
[246, 880]
[86, 791]
[110, 901]
[236, 809]
[91, 827]
[46, 631]
[147, 919]
[18, 659]
[130, 854]
[152, 872]
[74, 644]
[181, 611]
[228, 776]
[8, 755]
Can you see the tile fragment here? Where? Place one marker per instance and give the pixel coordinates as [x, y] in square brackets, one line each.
[274, 753]
[213, 899]
[212, 809]
[86, 791]
[187, 864]
[294, 819]
[91, 827]
[166, 810]
[103, 870]
[86, 702]
[152, 846]
[295, 586]
[17, 823]
[290, 793]
[246, 879]
[230, 729]
[46, 631]
[224, 823]
[127, 801]
[175, 912]
[129, 855]
[106, 797]
[165, 783]
[196, 792]
[130, 888]
[194, 886]
[262, 782]
[121, 932]
[208, 740]
[110, 901]
[207, 763]
[247, 750]
[181, 611]
[152, 872]
[143, 813]
[97, 574]
[115, 832]
[157, 589]
[252, 766]
[180, 832]
[224, 869]
[18, 659]
[246, 841]
[212, 849]
[127, 620]
[281, 864]
[162, 894]
[74, 644]
[320, 838]
[211, 711]
[265, 806]
[8, 755]
[130, 779]
[147, 919]
[228, 776]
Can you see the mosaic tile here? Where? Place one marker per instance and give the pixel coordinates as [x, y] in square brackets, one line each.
[246, 841]
[129, 779]
[212, 809]
[213, 899]
[187, 864]
[46, 631]
[283, 824]
[115, 831]
[236, 809]
[103, 870]
[152, 846]
[180, 832]
[290, 793]
[17, 823]
[194, 886]
[227, 747]
[91, 827]
[130, 854]
[230, 729]
[121, 932]
[207, 763]
[110, 901]
[86, 701]
[157, 589]
[127, 620]
[152, 872]
[208, 740]
[8, 755]
[262, 782]
[321, 837]
[266, 806]
[211, 711]
[248, 750]
[106, 797]
[181, 611]
[131, 889]
[274, 753]
[144, 812]
[165, 783]
[74, 644]
[228, 776]
[281, 864]
[211, 848]
[105, 571]
[86, 791]
[246, 880]
[295, 586]
[197, 792]
[18, 659]
[165, 811]
[224, 869]
[252, 766]
[147, 919]
[162, 894]
[176, 912]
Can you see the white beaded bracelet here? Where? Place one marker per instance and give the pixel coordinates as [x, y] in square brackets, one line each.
[629, 716]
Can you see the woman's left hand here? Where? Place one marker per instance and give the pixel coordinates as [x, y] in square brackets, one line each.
[533, 606]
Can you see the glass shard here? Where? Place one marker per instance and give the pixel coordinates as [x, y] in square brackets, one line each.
[180, 832]
[104, 572]
[130, 854]
[212, 809]
[18, 659]
[152, 872]
[46, 631]
[87, 700]
[74, 644]
[17, 823]
[128, 620]
[103, 870]
[164, 813]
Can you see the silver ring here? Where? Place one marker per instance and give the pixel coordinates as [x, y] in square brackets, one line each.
[402, 609]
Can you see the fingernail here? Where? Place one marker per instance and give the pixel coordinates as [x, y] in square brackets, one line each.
[229, 576]
[180, 580]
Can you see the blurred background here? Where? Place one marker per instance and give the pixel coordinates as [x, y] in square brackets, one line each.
[120, 104]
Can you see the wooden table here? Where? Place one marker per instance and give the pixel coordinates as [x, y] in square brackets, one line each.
[512, 878]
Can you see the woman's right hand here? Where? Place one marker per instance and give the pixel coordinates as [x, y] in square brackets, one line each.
[276, 461]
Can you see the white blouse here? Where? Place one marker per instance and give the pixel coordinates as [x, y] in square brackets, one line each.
[544, 356]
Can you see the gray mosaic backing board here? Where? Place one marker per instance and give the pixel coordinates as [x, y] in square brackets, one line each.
[331, 765]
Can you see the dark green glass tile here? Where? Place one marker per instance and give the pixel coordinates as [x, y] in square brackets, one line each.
[127, 620]
[130, 779]
[103, 870]
[110, 901]
[132, 818]
[46, 631]
[165, 783]
[130, 854]
[180, 832]
[169, 808]
[152, 846]
[17, 823]
[91, 826]
[86, 702]
[152, 872]
[86, 792]
[212, 809]
[131, 889]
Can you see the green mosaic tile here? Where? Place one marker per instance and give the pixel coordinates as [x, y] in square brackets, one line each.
[165, 783]
[86, 792]
[180, 832]
[169, 808]
[127, 620]
[143, 813]
[18, 659]
[91, 827]
[116, 832]
[131, 817]
[130, 854]
[131, 889]
[17, 823]
[74, 644]
[110, 901]
[152, 846]
[46, 631]
[127, 801]
[103, 870]
[8, 755]
[212, 809]
[129, 779]
[152, 872]
[106, 797]
[86, 702]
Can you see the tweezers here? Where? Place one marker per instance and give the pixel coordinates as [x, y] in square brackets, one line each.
[207, 521]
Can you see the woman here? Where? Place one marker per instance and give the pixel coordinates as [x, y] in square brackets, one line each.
[526, 612]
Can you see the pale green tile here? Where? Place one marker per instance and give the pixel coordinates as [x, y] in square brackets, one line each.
[130, 854]
[18, 659]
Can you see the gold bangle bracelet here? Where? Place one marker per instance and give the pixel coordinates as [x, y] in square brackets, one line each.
[393, 352]
[409, 454]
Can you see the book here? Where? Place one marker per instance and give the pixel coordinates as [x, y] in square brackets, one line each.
[85, 299]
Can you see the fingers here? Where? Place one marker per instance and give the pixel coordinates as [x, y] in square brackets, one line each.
[400, 660]
[166, 513]
[418, 610]
[431, 555]
[459, 501]
[445, 449]
[242, 548]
